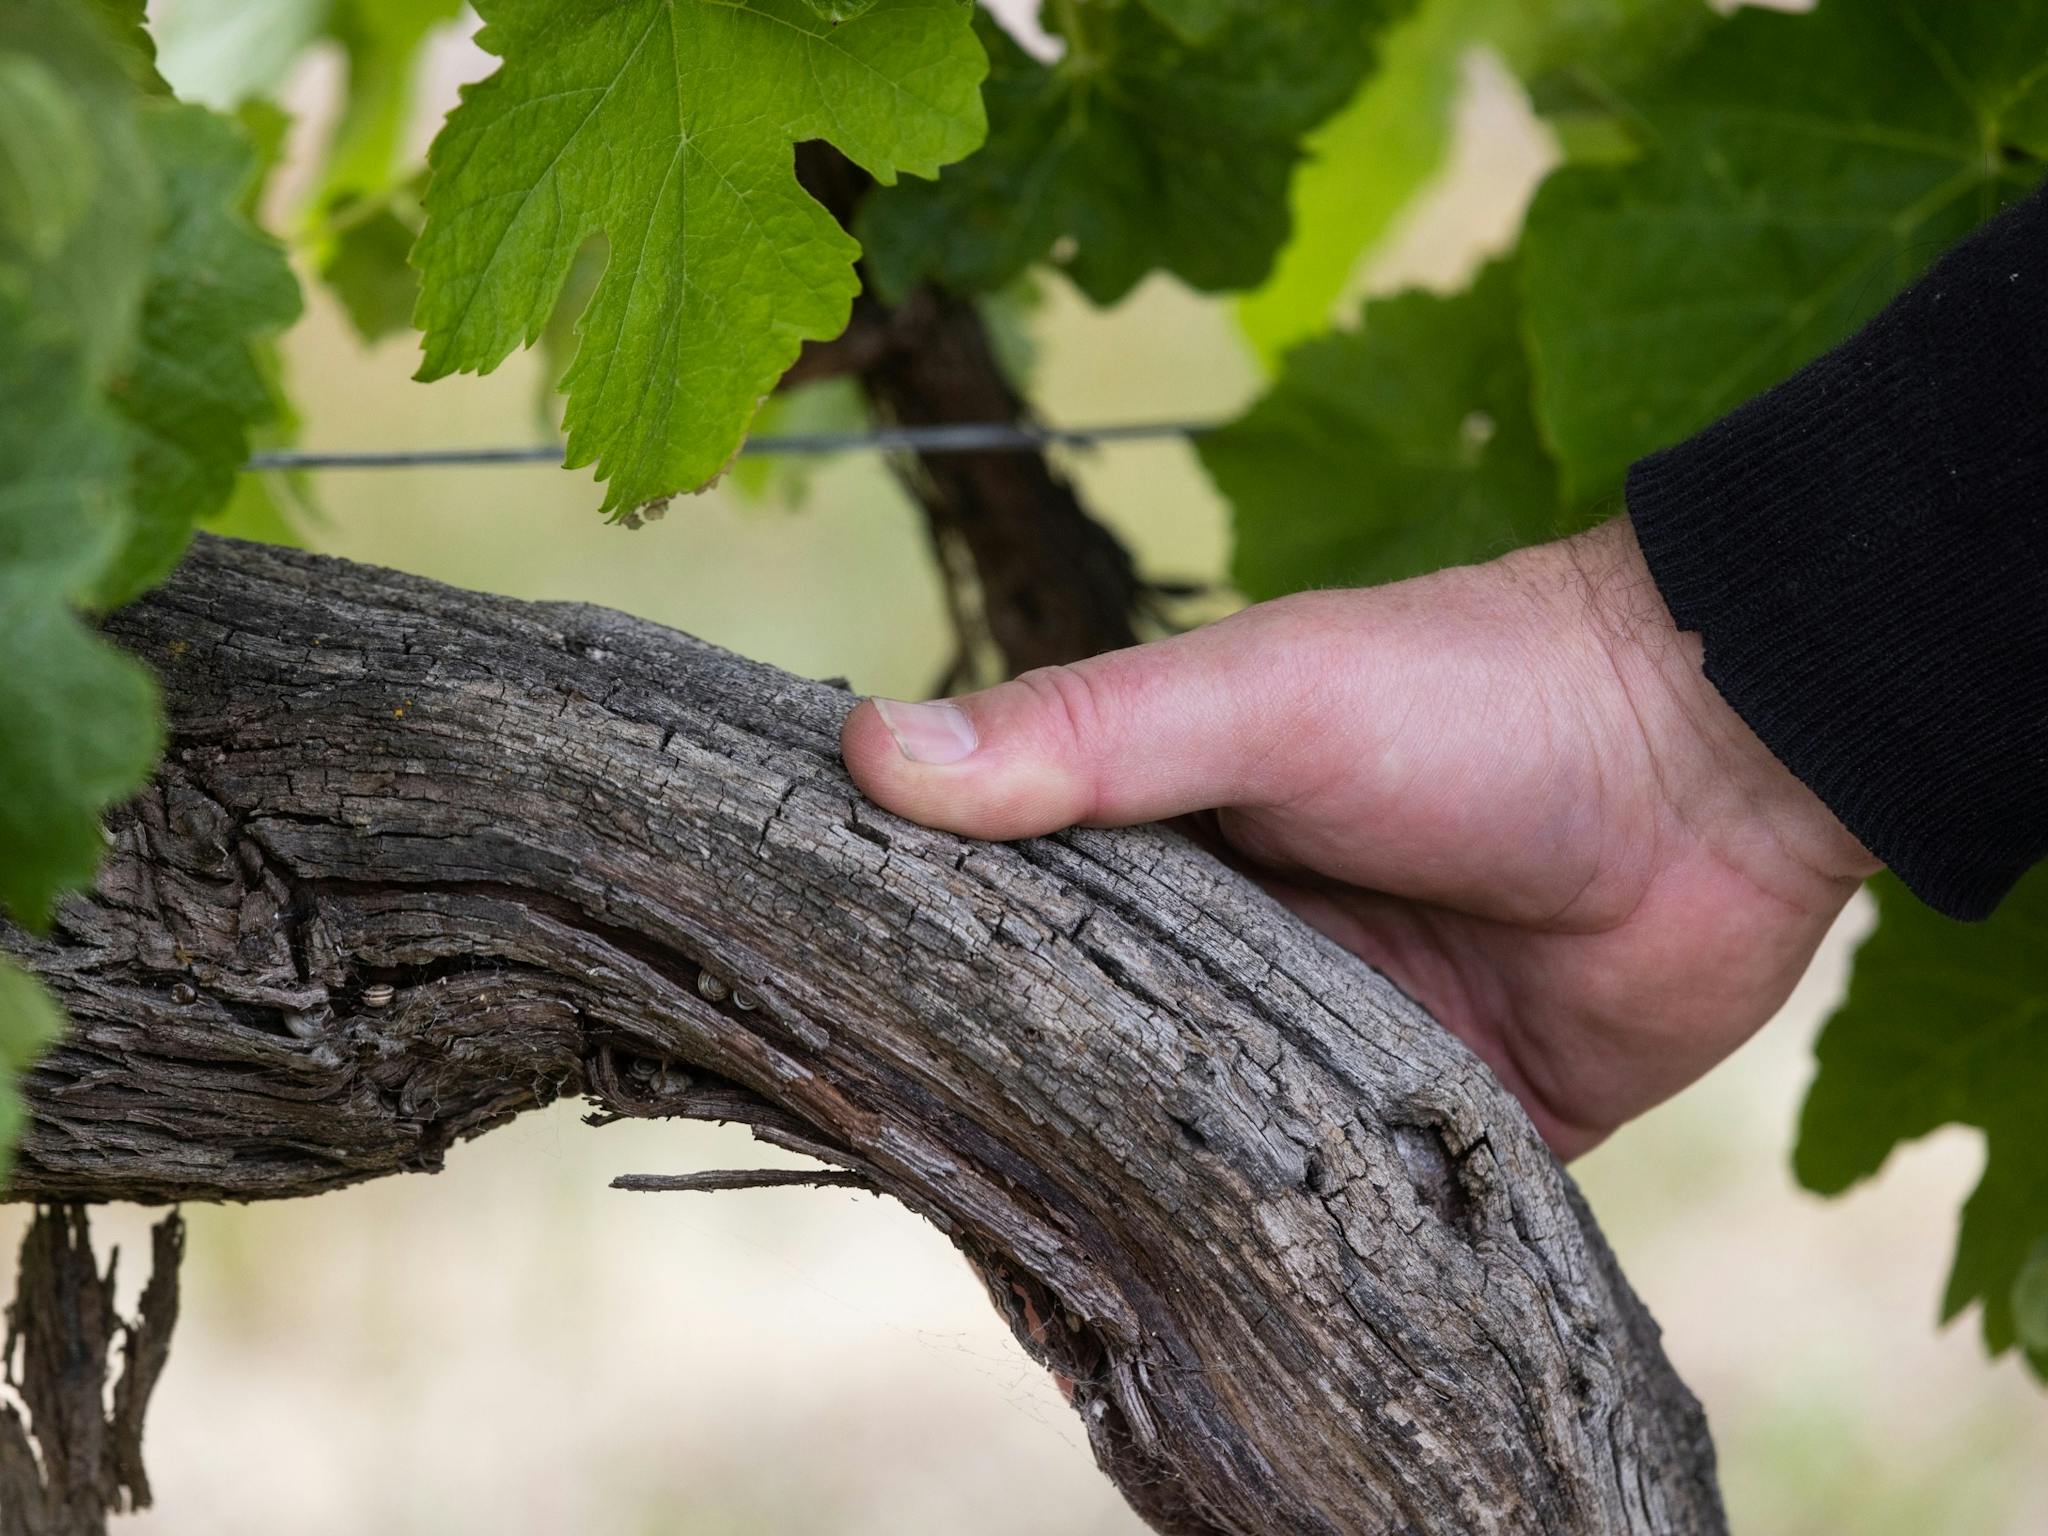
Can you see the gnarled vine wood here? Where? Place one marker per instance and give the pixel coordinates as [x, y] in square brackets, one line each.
[1306, 1266]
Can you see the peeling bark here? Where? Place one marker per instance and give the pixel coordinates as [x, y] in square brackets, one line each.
[68, 1462]
[1304, 1264]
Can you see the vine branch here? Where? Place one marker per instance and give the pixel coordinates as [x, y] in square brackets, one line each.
[419, 860]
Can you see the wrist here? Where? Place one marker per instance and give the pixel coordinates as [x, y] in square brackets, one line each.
[1716, 772]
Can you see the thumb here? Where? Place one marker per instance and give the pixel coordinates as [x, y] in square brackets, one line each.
[1198, 721]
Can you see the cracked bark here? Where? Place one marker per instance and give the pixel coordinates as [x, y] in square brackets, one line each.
[1304, 1265]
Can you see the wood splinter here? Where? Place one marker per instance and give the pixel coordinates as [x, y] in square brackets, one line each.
[742, 1178]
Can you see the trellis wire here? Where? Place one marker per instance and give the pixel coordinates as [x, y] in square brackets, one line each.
[951, 437]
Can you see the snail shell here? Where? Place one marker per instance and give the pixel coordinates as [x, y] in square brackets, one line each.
[305, 1023]
[379, 996]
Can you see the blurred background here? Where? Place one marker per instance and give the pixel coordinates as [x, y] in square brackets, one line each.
[510, 1347]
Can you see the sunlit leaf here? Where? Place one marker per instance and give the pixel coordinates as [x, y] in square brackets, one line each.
[669, 128]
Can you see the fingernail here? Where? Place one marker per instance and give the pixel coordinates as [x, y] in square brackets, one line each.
[928, 733]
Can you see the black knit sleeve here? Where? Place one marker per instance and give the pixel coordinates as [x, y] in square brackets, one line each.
[1864, 552]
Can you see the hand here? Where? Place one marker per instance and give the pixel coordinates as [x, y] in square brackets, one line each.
[1510, 787]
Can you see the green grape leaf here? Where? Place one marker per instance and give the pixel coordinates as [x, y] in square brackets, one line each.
[1946, 1023]
[195, 385]
[81, 734]
[1798, 170]
[70, 294]
[78, 716]
[1400, 448]
[668, 126]
[62, 472]
[365, 265]
[1138, 151]
[30, 1021]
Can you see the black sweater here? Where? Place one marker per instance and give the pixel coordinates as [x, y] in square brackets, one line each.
[1864, 552]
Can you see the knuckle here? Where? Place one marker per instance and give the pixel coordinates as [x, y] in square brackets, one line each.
[1072, 712]
[1069, 705]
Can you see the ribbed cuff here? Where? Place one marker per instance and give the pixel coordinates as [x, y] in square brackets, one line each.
[1864, 552]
